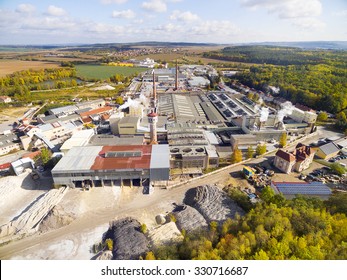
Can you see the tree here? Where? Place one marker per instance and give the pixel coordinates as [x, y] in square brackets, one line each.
[283, 140]
[261, 149]
[44, 157]
[322, 117]
[109, 244]
[150, 256]
[143, 228]
[119, 100]
[338, 168]
[236, 156]
[250, 152]
[337, 203]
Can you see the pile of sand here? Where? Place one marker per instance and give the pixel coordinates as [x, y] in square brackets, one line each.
[56, 218]
[29, 220]
[164, 234]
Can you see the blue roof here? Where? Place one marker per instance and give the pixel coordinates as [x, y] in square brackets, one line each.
[315, 188]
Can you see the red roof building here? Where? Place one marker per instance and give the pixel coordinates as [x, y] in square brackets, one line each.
[298, 160]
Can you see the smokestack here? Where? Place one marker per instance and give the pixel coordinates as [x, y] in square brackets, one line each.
[176, 81]
[153, 119]
[154, 91]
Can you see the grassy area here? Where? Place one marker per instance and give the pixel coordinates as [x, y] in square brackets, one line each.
[104, 71]
[67, 94]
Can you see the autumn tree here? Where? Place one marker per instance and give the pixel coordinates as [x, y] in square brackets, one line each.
[261, 149]
[283, 140]
[119, 100]
[322, 116]
[250, 152]
[236, 155]
[150, 256]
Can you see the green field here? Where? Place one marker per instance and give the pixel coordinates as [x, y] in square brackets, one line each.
[103, 71]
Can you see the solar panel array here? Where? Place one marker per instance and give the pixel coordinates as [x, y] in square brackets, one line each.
[308, 189]
[123, 154]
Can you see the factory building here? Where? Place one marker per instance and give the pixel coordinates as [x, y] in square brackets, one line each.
[113, 165]
[192, 149]
[125, 126]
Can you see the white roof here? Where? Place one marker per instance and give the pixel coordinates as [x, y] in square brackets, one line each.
[78, 159]
[160, 156]
[19, 162]
[78, 138]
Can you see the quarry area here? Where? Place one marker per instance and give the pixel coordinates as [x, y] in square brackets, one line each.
[43, 223]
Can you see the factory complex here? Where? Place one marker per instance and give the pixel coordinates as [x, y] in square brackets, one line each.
[169, 126]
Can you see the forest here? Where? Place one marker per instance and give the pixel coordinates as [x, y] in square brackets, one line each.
[20, 84]
[315, 78]
[275, 229]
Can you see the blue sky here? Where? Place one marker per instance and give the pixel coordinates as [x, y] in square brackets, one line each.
[203, 21]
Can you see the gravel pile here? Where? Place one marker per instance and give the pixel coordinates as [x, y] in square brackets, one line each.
[212, 203]
[189, 219]
[129, 243]
[55, 219]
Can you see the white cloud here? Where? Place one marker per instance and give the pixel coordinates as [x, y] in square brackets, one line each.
[113, 1]
[301, 13]
[56, 11]
[215, 28]
[342, 13]
[168, 27]
[309, 23]
[158, 6]
[128, 14]
[183, 16]
[287, 8]
[25, 8]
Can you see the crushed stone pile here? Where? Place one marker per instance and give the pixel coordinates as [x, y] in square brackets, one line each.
[55, 219]
[129, 243]
[28, 222]
[189, 219]
[165, 234]
[104, 255]
[212, 203]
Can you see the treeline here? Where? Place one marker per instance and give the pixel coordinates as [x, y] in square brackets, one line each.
[317, 79]
[19, 84]
[279, 55]
[276, 229]
[322, 87]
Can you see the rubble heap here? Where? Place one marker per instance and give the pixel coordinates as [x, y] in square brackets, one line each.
[212, 203]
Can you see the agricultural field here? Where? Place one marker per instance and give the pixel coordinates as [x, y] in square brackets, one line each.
[104, 71]
[10, 66]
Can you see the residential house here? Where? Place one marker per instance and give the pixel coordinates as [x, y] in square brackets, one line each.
[298, 160]
[9, 142]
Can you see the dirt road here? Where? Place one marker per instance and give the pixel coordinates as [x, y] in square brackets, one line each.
[131, 203]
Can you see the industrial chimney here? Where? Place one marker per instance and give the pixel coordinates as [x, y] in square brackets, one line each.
[176, 80]
[153, 119]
